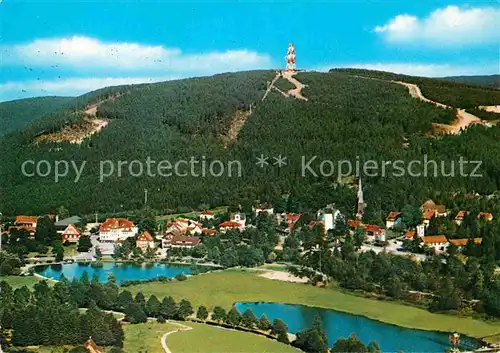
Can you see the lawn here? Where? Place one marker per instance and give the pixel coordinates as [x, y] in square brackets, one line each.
[227, 287]
[192, 214]
[205, 338]
[145, 337]
[19, 281]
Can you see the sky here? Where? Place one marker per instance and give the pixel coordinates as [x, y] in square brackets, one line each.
[71, 47]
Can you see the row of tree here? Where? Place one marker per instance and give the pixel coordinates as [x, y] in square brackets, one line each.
[50, 316]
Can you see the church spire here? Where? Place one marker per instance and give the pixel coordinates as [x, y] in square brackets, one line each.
[361, 202]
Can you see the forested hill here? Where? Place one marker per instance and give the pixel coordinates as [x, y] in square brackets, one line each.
[345, 117]
[459, 95]
[16, 114]
[486, 81]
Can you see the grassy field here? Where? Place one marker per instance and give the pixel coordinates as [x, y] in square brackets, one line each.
[192, 214]
[205, 338]
[19, 281]
[227, 287]
[145, 337]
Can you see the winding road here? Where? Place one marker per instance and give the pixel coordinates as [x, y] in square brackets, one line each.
[297, 91]
[164, 337]
[463, 120]
[287, 75]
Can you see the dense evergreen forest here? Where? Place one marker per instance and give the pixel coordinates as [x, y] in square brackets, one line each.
[458, 95]
[344, 117]
[14, 115]
[485, 80]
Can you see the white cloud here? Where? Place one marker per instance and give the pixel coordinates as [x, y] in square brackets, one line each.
[90, 53]
[421, 69]
[67, 87]
[447, 26]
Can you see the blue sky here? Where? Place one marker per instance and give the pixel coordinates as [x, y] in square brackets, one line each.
[71, 47]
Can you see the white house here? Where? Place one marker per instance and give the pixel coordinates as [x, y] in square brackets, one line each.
[184, 226]
[393, 219]
[421, 230]
[145, 241]
[263, 208]
[374, 233]
[71, 234]
[180, 241]
[117, 229]
[328, 216]
[239, 218]
[437, 242]
[206, 215]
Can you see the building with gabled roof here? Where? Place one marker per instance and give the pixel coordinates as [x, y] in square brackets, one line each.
[328, 216]
[393, 219]
[374, 232]
[71, 234]
[27, 223]
[460, 216]
[117, 229]
[485, 215]
[239, 218]
[206, 215]
[145, 241]
[438, 210]
[206, 231]
[230, 225]
[463, 241]
[288, 219]
[181, 241]
[437, 242]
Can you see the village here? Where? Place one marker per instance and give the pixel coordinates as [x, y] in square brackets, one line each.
[188, 233]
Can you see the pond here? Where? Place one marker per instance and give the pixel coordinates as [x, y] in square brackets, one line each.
[337, 324]
[121, 271]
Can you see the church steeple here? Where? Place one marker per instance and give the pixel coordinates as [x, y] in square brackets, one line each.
[361, 202]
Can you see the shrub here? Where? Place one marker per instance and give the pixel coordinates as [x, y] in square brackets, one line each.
[97, 264]
[181, 277]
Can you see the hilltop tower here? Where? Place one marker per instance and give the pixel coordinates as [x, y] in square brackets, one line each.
[290, 58]
[361, 202]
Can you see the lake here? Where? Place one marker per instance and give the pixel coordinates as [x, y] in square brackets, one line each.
[121, 271]
[337, 324]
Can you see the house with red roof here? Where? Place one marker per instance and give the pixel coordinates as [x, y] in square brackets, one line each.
[438, 243]
[374, 232]
[460, 243]
[117, 229]
[180, 241]
[206, 231]
[353, 224]
[230, 225]
[145, 241]
[393, 219]
[206, 215]
[409, 235]
[71, 234]
[28, 223]
[438, 210]
[485, 215]
[459, 218]
[288, 219]
[184, 226]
